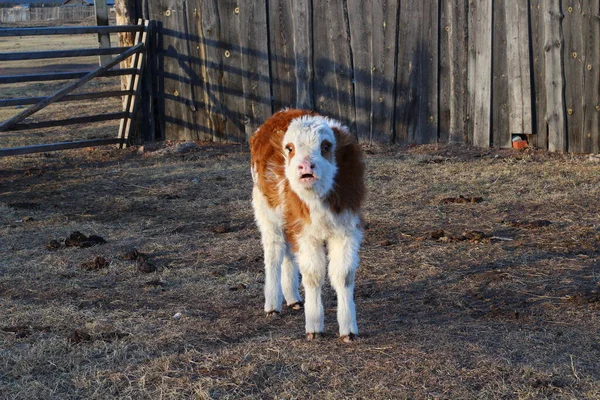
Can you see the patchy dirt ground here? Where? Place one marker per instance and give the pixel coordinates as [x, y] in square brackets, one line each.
[494, 294]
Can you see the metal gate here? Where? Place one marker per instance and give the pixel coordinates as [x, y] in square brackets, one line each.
[65, 94]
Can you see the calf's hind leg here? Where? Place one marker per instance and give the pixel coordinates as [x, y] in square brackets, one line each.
[270, 223]
[289, 282]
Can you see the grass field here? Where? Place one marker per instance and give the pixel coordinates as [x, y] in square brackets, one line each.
[495, 298]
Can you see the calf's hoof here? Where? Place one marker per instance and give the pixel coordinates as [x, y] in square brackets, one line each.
[297, 306]
[272, 314]
[313, 335]
[349, 338]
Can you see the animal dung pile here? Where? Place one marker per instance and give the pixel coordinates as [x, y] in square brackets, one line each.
[96, 264]
[469, 236]
[142, 260]
[75, 239]
[461, 200]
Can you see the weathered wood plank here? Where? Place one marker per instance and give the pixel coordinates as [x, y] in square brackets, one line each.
[453, 71]
[480, 76]
[208, 88]
[553, 67]
[41, 55]
[373, 42]
[573, 72]
[501, 134]
[233, 51]
[290, 49]
[518, 71]
[304, 54]
[333, 62]
[282, 53]
[73, 97]
[540, 139]
[15, 151]
[417, 79]
[59, 76]
[67, 30]
[175, 70]
[591, 76]
[254, 55]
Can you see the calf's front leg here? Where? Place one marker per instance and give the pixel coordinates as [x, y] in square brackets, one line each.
[312, 264]
[343, 262]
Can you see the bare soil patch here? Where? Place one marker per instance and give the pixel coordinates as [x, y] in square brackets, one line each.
[171, 305]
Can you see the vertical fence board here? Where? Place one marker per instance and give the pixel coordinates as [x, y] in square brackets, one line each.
[373, 41]
[255, 64]
[282, 53]
[573, 68]
[206, 64]
[555, 86]
[591, 76]
[480, 76]
[333, 62]
[304, 54]
[538, 44]
[519, 70]
[290, 41]
[453, 71]
[501, 136]
[174, 90]
[417, 78]
[232, 81]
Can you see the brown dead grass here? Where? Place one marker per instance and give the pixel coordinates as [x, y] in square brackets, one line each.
[515, 316]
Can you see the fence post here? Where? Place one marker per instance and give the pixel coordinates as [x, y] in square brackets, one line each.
[102, 20]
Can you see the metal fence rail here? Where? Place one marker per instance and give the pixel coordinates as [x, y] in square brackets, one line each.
[18, 123]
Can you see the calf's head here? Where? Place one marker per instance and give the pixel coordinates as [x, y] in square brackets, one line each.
[309, 149]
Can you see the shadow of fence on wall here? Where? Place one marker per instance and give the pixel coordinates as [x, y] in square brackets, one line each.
[213, 90]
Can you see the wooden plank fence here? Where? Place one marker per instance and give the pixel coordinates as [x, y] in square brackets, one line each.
[407, 71]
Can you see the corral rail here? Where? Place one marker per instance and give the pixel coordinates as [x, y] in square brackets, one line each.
[78, 80]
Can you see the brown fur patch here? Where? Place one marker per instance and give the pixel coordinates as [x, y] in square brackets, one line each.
[349, 183]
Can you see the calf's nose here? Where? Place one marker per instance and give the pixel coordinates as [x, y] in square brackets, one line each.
[306, 167]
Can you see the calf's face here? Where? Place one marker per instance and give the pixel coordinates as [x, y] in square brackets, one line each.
[309, 150]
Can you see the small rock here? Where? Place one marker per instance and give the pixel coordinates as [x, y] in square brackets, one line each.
[177, 316]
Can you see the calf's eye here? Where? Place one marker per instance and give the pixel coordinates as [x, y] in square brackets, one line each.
[289, 149]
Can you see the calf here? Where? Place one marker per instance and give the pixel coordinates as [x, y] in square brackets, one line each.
[308, 178]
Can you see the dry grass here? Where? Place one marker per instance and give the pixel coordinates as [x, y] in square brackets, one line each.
[514, 316]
